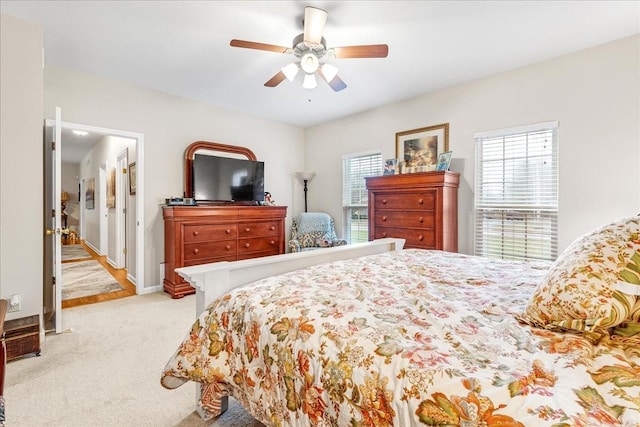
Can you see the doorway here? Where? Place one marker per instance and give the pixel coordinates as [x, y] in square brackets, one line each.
[134, 260]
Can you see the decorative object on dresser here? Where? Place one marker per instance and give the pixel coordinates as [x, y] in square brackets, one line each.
[22, 336]
[210, 233]
[444, 160]
[420, 207]
[418, 149]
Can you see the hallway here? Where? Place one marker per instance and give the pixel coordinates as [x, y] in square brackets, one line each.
[119, 274]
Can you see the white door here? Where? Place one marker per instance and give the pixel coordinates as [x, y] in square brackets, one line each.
[53, 147]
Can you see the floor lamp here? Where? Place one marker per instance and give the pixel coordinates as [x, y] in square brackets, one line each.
[306, 178]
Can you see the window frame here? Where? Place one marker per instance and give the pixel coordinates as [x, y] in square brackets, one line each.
[357, 204]
[522, 223]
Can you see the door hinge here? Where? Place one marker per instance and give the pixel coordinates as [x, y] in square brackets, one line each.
[124, 251]
[53, 213]
[53, 146]
[124, 171]
[53, 281]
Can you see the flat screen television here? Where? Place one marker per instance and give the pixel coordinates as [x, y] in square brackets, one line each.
[227, 180]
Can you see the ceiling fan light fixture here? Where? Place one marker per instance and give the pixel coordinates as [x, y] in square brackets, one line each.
[329, 72]
[309, 62]
[309, 82]
[290, 71]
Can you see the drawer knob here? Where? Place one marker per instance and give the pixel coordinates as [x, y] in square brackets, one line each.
[384, 234]
[247, 229]
[384, 217]
[195, 233]
[272, 228]
[421, 219]
[228, 247]
[246, 245]
[228, 231]
[196, 250]
[384, 201]
[272, 242]
[420, 201]
[420, 237]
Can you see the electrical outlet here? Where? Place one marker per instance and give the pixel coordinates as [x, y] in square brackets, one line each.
[15, 303]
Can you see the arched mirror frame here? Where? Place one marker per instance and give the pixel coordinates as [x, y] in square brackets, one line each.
[209, 146]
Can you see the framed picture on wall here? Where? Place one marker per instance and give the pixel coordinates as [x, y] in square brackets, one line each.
[419, 148]
[90, 194]
[132, 178]
[111, 188]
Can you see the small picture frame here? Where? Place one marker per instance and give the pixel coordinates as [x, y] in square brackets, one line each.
[390, 167]
[444, 160]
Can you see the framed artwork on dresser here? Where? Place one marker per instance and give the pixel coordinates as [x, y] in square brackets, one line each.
[419, 148]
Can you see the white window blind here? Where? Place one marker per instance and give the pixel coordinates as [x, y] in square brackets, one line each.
[516, 195]
[355, 168]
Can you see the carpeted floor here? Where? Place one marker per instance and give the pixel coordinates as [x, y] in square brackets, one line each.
[74, 252]
[85, 278]
[105, 370]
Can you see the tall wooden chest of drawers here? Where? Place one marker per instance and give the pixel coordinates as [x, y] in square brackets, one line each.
[419, 207]
[202, 234]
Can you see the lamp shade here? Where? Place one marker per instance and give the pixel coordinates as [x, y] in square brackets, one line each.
[306, 176]
[64, 197]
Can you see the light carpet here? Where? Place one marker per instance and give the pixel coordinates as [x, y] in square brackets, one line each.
[105, 370]
[73, 252]
[85, 278]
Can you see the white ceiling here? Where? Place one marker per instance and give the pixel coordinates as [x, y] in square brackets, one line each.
[182, 47]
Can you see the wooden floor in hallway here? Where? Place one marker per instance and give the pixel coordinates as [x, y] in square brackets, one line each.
[119, 274]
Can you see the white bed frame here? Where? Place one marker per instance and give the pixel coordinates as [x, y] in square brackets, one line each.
[214, 280]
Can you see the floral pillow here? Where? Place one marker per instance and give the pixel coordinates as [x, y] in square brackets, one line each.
[580, 291]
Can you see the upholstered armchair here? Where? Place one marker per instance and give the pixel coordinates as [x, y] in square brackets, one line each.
[313, 230]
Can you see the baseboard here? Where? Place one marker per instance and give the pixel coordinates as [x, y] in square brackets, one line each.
[152, 289]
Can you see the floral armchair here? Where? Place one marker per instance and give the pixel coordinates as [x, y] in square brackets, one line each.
[313, 230]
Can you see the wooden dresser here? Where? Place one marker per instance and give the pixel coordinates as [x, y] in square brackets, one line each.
[419, 207]
[202, 234]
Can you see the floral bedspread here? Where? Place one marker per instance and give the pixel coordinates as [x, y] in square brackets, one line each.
[404, 339]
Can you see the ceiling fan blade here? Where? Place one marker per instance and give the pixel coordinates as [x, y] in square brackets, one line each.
[314, 22]
[337, 84]
[259, 46]
[276, 80]
[363, 51]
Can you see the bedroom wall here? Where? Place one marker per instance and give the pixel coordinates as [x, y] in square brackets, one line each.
[594, 94]
[21, 159]
[169, 125]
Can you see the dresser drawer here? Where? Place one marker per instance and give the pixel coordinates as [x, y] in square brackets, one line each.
[258, 244]
[256, 229]
[415, 238]
[210, 249]
[423, 200]
[201, 233]
[416, 219]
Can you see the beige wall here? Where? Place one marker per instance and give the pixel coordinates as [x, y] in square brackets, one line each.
[21, 201]
[594, 94]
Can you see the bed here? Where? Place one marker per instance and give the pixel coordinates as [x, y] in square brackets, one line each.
[415, 337]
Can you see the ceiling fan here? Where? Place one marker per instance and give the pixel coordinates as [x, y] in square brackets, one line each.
[311, 52]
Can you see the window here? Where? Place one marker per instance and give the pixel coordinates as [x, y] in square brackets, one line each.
[516, 200]
[355, 168]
